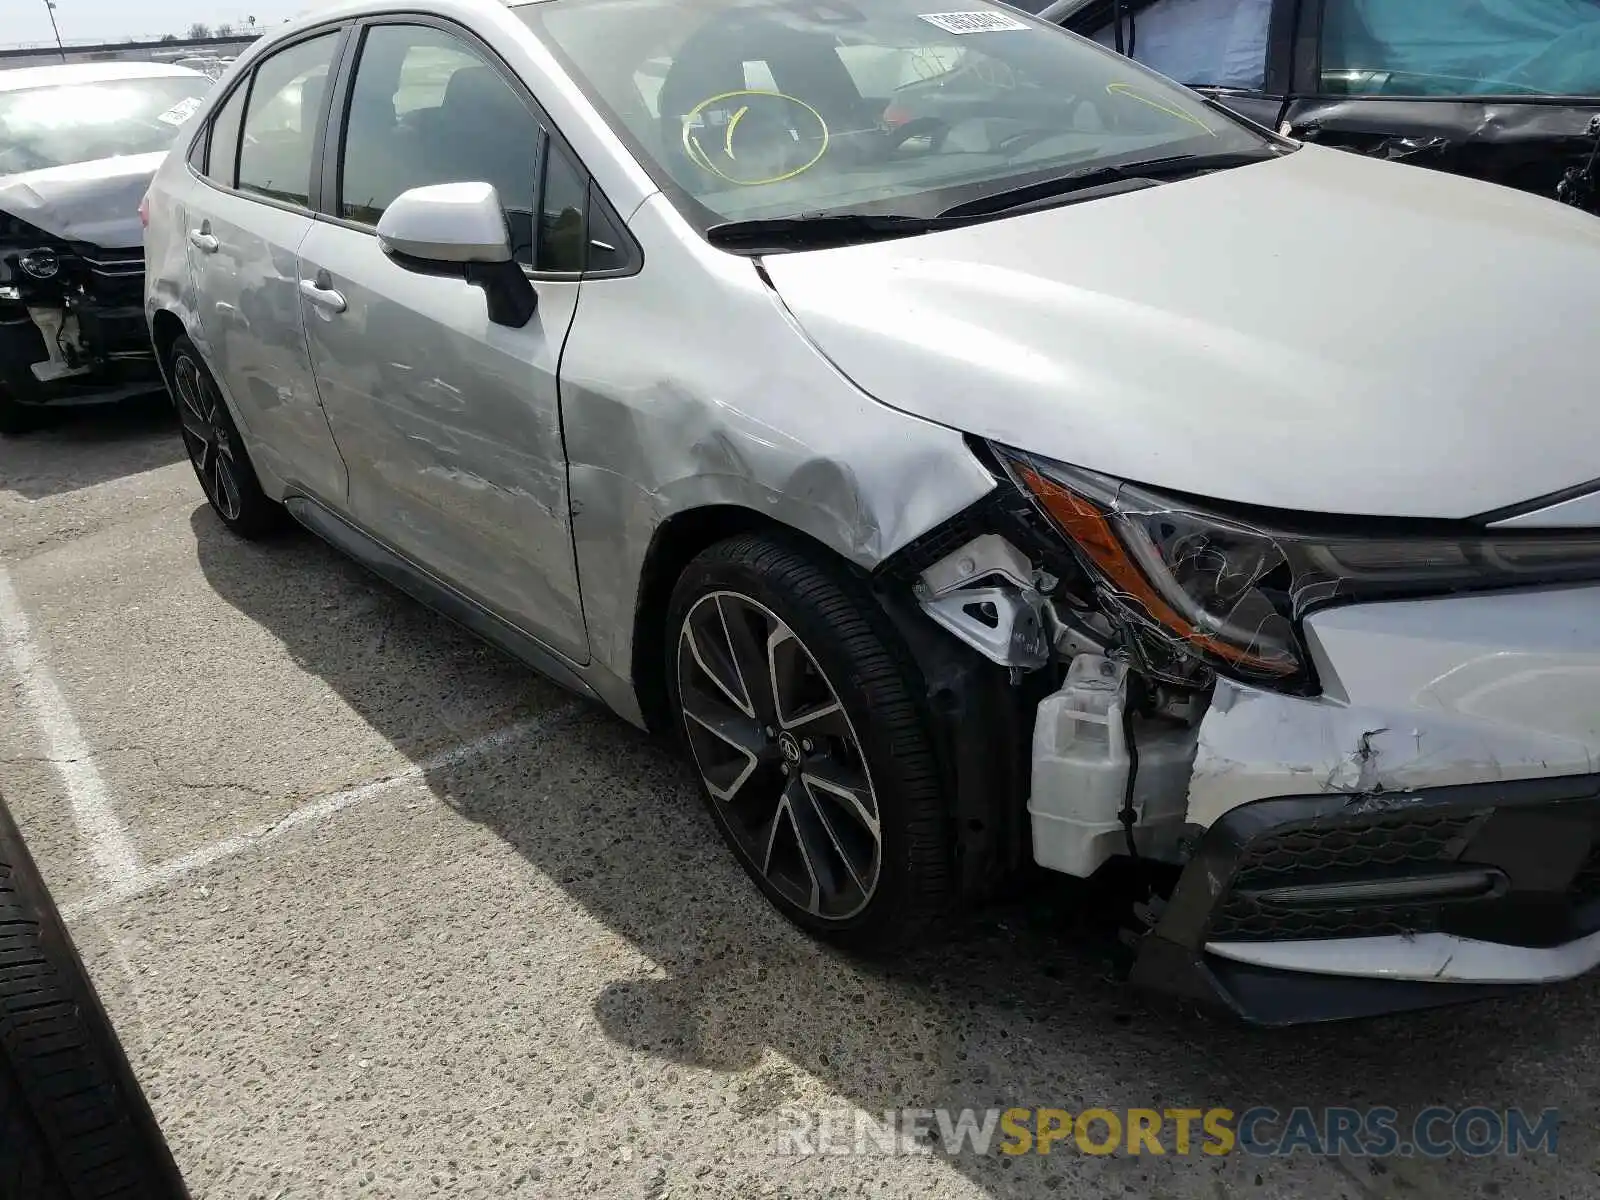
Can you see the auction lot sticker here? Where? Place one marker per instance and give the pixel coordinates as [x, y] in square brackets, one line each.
[972, 22]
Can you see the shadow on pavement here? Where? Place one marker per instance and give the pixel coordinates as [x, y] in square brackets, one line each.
[79, 447]
[1017, 1007]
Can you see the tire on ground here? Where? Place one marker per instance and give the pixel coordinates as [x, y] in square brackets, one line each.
[74, 1124]
[853, 642]
[257, 516]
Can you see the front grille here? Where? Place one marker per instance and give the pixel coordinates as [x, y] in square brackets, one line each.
[114, 264]
[1323, 852]
[1246, 918]
[1389, 841]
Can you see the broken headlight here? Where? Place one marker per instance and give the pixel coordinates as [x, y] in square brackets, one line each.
[1230, 592]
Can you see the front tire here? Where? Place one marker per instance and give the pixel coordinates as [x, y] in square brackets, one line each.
[216, 451]
[798, 706]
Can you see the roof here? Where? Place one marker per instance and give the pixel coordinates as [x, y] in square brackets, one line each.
[19, 78]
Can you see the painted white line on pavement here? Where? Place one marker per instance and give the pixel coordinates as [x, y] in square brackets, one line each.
[103, 834]
[157, 877]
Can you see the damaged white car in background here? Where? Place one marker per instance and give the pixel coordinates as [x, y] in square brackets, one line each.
[78, 145]
[977, 447]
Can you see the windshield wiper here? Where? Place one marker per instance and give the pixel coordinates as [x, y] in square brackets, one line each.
[1133, 174]
[812, 231]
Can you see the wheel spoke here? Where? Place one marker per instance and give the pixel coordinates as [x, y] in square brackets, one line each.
[787, 663]
[748, 654]
[788, 833]
[754, 700]
[804, 702]
[726, 773]
[183, 375]
[820, 720]
[727, 779]
[193, 425]
[736, 729]
[847, 788]
[202, 464]
[227, 486]
[828, 847]
[713, 657]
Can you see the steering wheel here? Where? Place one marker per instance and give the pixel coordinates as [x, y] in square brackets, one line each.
[932, 128]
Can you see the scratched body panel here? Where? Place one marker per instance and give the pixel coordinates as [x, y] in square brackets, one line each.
[451, 427]
[720, 402]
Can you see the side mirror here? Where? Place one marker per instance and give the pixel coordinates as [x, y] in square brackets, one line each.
[459, 229]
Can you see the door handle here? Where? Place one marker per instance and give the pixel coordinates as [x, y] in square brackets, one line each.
[322, 297]
[202, 240]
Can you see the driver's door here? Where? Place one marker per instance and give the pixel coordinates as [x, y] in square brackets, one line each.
[450, 423]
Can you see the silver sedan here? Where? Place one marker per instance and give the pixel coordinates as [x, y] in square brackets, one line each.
[979, 450]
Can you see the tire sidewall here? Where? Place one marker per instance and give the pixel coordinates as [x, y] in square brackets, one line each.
[894, 791]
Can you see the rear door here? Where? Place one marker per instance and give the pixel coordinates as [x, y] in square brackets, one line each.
[247, 217]
[450, 423]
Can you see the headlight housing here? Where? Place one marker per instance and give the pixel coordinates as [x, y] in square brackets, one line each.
[1231, 592]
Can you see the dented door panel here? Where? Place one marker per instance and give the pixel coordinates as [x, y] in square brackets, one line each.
[451, 428]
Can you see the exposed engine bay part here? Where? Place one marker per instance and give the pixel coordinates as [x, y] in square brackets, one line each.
[986, 593]
[1084, 763]
[985, 555]
[63, 342]
[72, 324]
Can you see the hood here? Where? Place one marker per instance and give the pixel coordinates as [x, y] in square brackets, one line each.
[95, 202]
[1321, 332]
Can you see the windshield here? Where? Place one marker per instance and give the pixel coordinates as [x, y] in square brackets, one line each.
[53, 126]
[754, 109]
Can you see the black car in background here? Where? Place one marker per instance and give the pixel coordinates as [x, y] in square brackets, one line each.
[1503, 90]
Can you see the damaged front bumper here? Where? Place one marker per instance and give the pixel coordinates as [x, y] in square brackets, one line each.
[1426, 830]
[1314, 907]
[1417, 823]
[72, 323]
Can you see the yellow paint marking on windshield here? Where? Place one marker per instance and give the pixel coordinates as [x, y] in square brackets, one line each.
[1127, 89]
[727, 142]
[697, 153]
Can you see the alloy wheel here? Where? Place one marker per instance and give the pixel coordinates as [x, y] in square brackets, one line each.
[779, 757]
[207, 436]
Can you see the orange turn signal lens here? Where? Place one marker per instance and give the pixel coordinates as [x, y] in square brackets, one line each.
[1086, 525]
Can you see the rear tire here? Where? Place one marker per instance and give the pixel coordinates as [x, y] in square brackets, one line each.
[74, 1124]
[216, 451]
[797, 702]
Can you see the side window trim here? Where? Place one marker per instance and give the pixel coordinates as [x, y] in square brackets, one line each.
[202, 139]
[632, 252]
[338, 114]
[246, 82]
[243, 92]
[201, 144]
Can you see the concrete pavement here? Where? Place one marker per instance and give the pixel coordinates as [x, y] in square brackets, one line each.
[379, 912]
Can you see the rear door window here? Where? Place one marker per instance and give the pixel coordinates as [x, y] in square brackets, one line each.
[280, 124]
